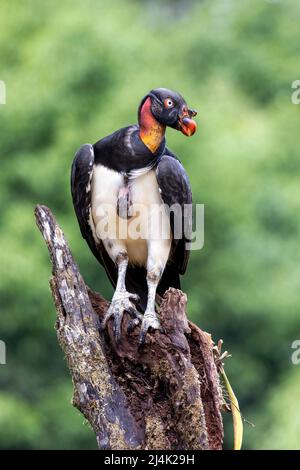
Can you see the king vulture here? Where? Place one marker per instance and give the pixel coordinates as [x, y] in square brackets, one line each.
[127, 177]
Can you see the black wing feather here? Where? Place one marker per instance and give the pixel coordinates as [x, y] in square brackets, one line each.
[175, 188]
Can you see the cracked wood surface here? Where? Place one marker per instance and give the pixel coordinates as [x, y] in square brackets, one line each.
[165, 395]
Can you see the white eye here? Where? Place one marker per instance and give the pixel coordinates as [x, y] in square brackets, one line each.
[169, 103]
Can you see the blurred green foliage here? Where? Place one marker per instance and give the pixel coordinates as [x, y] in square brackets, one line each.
[75, 71]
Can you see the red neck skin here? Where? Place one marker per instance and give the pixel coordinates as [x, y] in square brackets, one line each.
[151, 131]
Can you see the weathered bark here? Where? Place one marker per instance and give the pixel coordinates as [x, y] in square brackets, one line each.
[165, 395]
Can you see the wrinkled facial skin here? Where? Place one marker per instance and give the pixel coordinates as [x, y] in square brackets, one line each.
[170, 109]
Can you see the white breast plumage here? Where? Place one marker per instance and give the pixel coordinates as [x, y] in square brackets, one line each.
[146, 202]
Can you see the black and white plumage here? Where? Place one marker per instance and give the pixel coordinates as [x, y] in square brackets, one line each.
[110, 181]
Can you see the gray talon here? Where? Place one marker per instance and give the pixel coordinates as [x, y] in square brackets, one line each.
[132, 324]
[150, 320]
[120, 303]
[135, 297]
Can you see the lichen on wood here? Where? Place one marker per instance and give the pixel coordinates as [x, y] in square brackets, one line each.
[165, 395]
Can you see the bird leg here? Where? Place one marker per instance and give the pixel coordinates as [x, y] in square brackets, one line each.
[150, 319]
[121, 300]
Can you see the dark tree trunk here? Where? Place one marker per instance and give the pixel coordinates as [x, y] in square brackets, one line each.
[165, 395]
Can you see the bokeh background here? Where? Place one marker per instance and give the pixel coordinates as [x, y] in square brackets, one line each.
[75, 71]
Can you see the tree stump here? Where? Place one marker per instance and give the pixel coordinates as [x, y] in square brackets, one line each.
[165, 395]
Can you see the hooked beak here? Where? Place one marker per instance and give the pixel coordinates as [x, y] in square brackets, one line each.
[186, 124]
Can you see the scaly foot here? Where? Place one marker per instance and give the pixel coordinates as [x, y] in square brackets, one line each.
[150, 320]
[120, 303]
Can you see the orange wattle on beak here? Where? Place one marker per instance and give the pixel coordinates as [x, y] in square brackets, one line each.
[188, 126]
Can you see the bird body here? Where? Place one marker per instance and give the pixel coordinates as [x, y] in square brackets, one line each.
[122, 189]
[121, 234]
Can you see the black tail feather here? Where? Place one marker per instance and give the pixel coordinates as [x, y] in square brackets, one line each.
[136, 282]
[170, 278]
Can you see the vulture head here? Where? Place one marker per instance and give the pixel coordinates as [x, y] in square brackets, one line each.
[170, 109]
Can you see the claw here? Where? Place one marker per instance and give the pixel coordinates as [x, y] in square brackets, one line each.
[135, 297]
[117, 325]
[120, 303]
[150, 320]
[132, 324]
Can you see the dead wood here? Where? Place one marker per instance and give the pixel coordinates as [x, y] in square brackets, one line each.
[165, 395]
